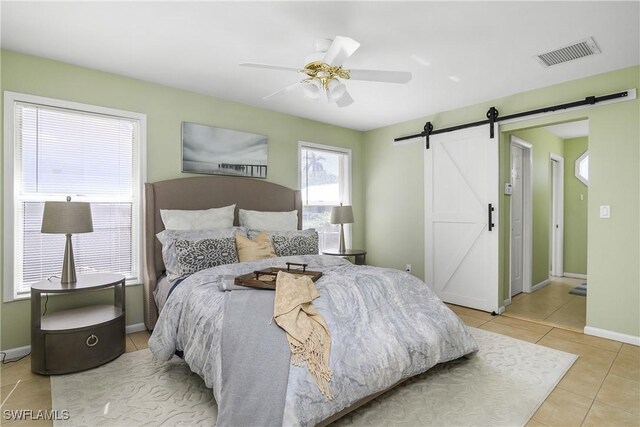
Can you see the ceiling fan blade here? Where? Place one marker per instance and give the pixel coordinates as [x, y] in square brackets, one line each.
[345, 100]
[341, 48]
[380, 76]
[284, 90]
[269, 66]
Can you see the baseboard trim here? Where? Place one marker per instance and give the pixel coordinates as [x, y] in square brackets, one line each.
[507, 302]
[540, 285]
[14, 353]
[616, 336]
[137, 327]
[575, 275]
[501, 309]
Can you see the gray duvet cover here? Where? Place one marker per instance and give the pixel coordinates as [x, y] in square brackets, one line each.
[386, 326]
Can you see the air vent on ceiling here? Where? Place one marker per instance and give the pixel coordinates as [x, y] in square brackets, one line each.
[579, 49]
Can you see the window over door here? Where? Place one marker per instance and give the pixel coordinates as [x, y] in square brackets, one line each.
[325, 181]
[55, 149]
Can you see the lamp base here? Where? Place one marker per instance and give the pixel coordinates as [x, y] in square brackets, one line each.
[68, 264]
[342, 249]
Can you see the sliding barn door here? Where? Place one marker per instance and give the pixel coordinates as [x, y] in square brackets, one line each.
[461, 244]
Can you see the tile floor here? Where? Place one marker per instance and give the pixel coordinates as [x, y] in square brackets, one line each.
[552, 305]
[601, 389]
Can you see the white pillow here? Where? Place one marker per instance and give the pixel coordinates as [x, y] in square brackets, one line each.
[208, 219]
[269, 221]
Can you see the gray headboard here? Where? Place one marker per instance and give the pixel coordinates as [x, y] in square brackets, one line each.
[202, 193]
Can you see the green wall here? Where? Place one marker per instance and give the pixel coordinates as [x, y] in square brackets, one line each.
[388, 181]
[576, 198]
[166, 108]
[394, 190]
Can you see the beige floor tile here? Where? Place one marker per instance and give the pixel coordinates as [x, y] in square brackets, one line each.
[620, 393]
[30, 394]
[629, 349]
[130, 345]
[627, 366]
[578, 337]
[594, 356]
[573, 314]
[534, 423]
[601, 414]
[518, 333]
[522, 324]
[563, 408]
[534, 310]
[10, 373]
[552, 305]
[584, 378]
[470, 312]
[472, 321]
[140, 339]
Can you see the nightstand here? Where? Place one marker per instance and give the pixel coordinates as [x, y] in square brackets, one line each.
[359, 254]
[77, 339]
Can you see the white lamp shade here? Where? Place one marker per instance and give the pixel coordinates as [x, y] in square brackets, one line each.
[341, 215]
[336, 89]
[67, 218]
[312, 89]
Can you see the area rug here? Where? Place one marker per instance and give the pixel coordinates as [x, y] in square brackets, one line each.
[579, 290]
[502, 386]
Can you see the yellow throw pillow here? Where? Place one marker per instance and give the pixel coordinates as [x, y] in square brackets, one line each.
[258, 248]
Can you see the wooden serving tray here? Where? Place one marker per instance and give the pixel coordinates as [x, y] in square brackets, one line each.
[266, 279]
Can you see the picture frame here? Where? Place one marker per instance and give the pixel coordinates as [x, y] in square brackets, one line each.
[219, 151]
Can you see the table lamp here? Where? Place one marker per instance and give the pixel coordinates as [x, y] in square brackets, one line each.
[67, 218]
[341, 215]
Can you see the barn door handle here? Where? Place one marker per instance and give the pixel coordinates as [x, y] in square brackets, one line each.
[491, 224]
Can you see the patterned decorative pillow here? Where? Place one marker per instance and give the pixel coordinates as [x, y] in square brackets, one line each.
[295, 243]
[169, 237]
[197, 255]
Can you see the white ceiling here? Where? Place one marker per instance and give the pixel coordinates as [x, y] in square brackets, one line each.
[570, 129]
[488, 46]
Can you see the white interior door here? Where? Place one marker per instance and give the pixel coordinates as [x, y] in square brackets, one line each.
[461, 249]
[517, 219]
[557, 215]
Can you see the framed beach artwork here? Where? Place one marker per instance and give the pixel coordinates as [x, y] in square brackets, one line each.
[219, 151]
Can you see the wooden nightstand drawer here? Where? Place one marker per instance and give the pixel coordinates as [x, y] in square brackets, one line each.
[81, 349]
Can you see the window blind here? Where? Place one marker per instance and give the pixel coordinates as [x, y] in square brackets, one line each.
[90, 157]
[324, 183]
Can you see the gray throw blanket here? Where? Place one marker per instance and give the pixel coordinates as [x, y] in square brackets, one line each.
[252, 344]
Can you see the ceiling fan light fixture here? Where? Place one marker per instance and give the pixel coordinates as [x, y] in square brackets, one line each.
[312, 89]
[335, 89]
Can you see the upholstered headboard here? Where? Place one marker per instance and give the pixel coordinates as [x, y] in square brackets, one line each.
[202, 193]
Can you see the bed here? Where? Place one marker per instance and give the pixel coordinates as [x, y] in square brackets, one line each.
[386, 325]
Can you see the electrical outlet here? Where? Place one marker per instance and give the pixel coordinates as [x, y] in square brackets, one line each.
[408, 268]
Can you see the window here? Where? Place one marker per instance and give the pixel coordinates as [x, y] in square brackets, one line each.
[582, 168]
[55, 149]
[325, 181]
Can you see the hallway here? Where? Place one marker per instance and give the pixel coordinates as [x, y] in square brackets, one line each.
[552, 305]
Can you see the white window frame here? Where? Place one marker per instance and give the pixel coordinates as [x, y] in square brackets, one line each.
[11, 185]
[330, 149]
[578, 169]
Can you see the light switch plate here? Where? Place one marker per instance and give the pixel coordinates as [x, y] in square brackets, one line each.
[605, 211]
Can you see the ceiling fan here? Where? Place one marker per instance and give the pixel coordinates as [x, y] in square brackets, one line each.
[325, 75]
